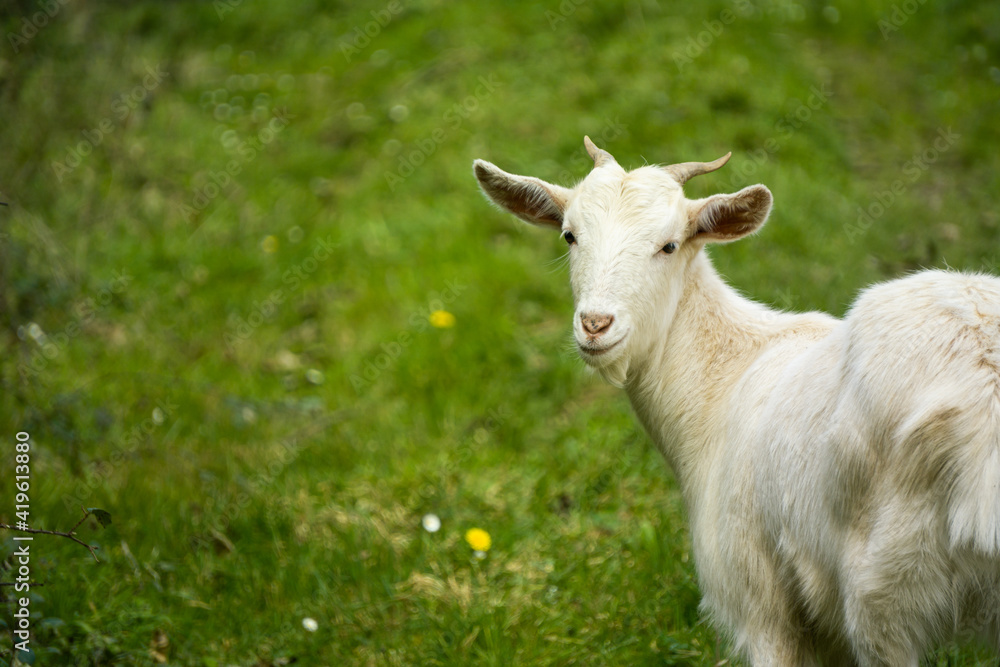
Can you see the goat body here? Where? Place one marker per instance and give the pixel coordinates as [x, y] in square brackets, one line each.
[842, 477]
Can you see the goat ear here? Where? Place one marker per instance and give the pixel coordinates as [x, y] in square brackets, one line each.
[531, 199]
[723, 218]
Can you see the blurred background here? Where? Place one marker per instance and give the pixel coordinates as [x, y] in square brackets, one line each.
[253, 305]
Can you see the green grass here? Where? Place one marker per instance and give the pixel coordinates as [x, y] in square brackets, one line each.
[268, 419]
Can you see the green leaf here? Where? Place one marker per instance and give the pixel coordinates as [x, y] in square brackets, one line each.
[103, 517]
[27, 657]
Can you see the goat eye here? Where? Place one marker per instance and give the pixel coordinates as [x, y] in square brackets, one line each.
[568, 237]
[670, 247]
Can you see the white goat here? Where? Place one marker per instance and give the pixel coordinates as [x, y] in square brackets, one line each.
[842, 477]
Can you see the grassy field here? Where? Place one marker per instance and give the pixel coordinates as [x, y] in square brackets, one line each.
[253, 305]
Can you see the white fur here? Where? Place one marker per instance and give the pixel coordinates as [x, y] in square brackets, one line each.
[842, 477]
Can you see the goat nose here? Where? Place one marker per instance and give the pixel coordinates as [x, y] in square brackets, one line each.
[595, 324]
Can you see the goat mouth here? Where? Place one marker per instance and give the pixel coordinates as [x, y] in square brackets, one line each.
[595, 352]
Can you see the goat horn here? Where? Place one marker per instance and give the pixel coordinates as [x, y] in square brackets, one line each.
[685, 171]
[600, 156]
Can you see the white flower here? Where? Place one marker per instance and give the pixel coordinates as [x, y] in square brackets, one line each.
[248, 414]
[432, 523]
[310, 624]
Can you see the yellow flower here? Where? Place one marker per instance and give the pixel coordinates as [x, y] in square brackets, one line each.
[269, 244]
[478, 539]
[442, 319]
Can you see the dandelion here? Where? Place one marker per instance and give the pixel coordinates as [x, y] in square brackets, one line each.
[269, 244]
[479, 540]
[310, 624]
[442, 319]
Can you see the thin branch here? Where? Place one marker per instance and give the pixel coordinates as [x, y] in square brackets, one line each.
[77, 524]
[70, 535]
